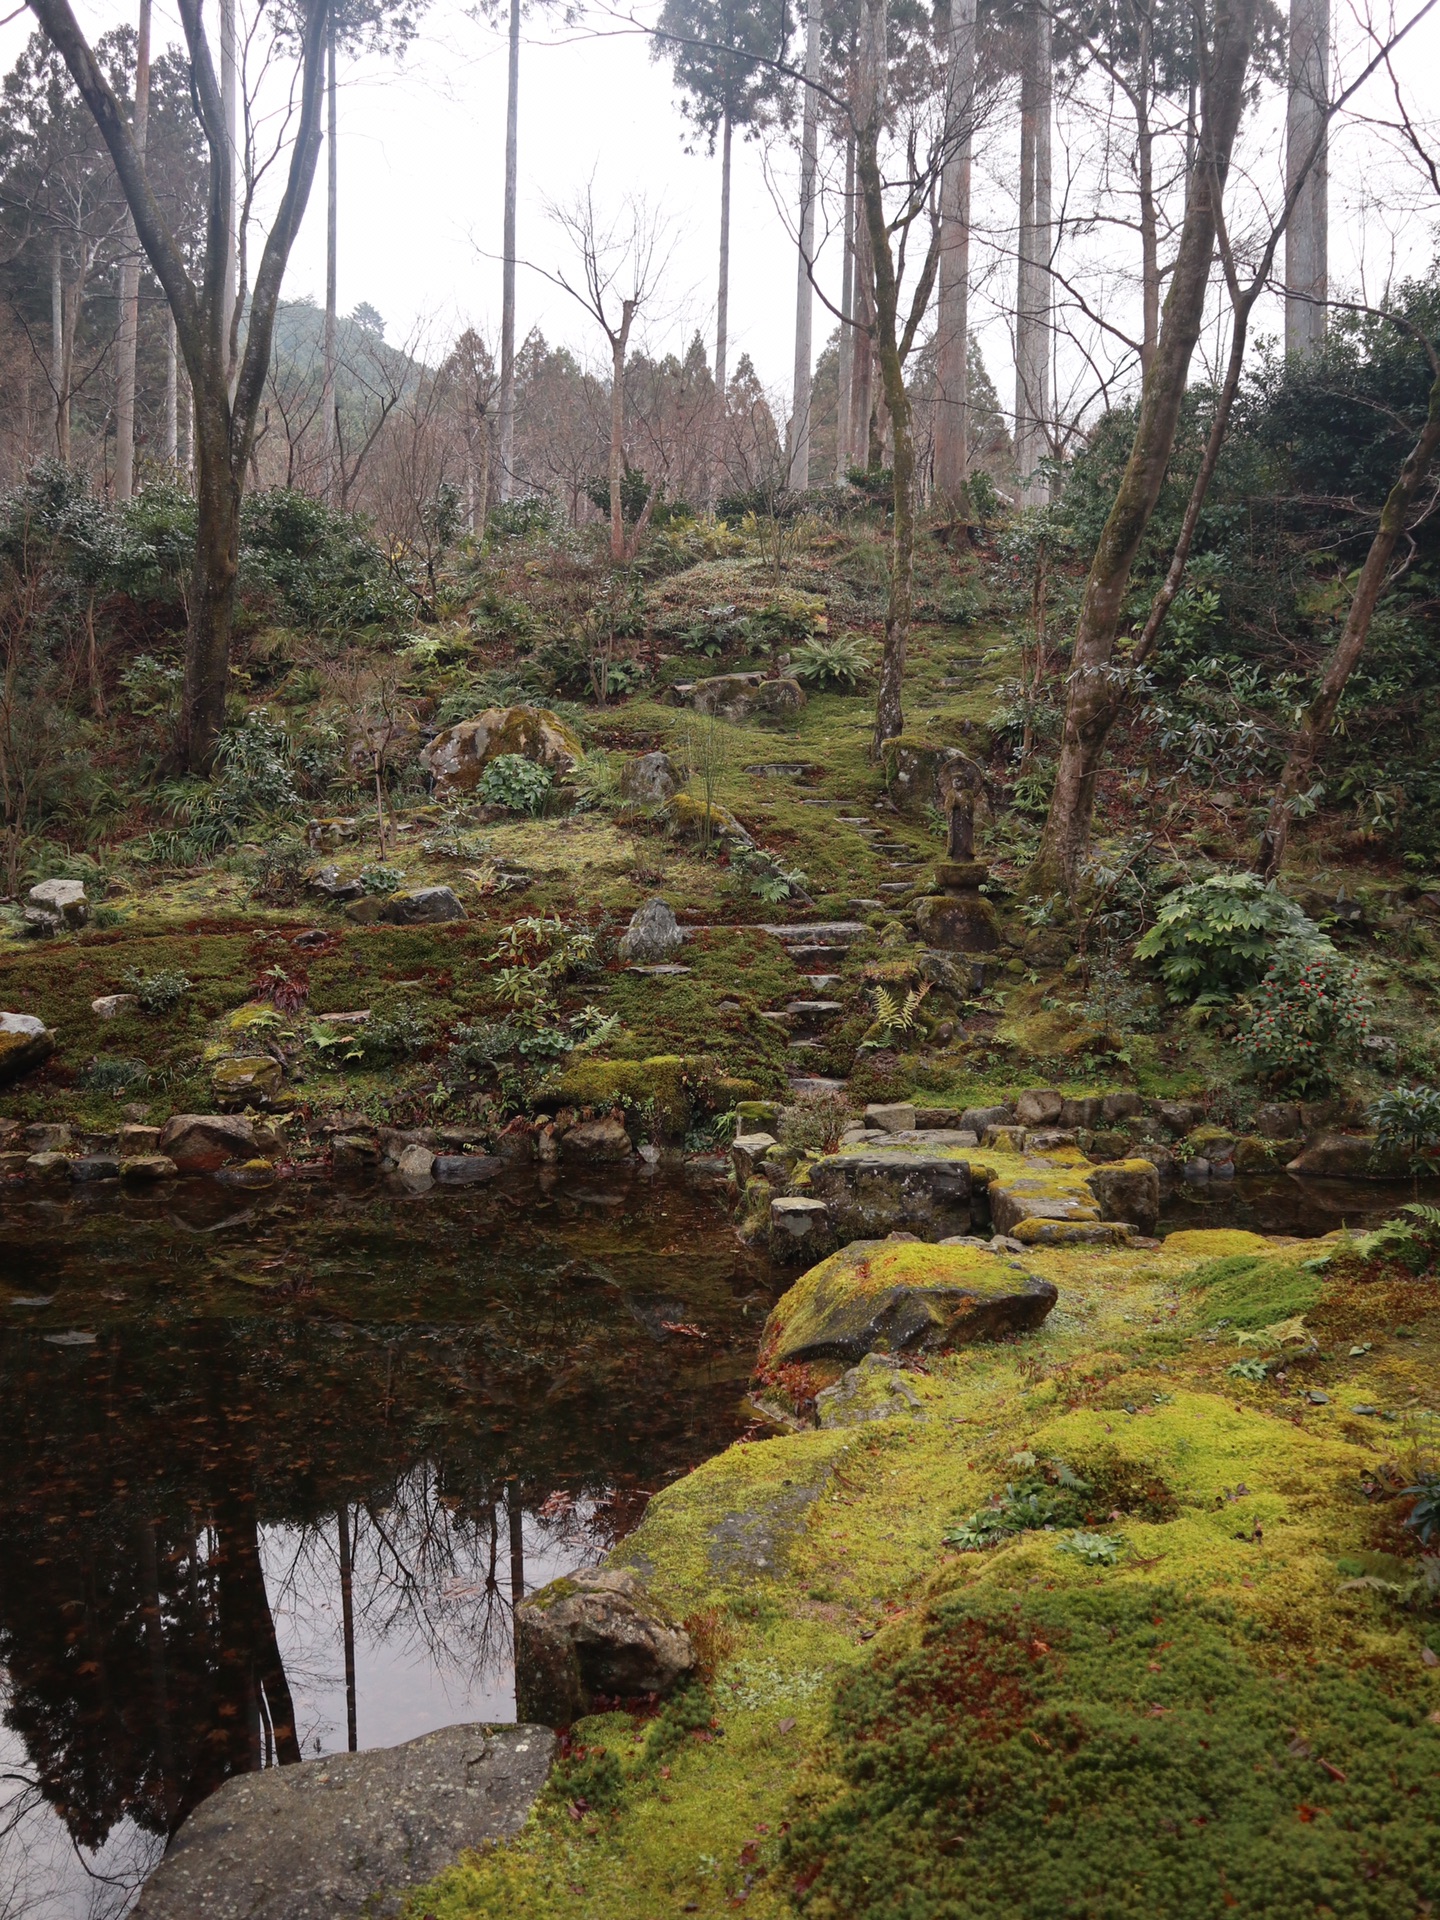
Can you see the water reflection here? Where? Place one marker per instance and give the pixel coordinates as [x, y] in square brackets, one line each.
[250, 1523]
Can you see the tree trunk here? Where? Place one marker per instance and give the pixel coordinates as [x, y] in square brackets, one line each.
[617, 433]
[1306, 123]
[57, 354]
[332, 263]
[212, 591]
[347, 1622]
[1094, 697]
[1032, 279]
[1320, 715]
[845, 369]
[952, 323]
[862, 376]
[889, 707]
[129, 339]
[172, 395]
[230, 104]
[722, 313]
[507, 294]
[804, 293]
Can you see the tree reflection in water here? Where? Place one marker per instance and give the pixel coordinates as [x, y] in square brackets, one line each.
[235, 1537]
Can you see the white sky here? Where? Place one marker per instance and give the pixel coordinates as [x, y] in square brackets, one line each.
[421, 179]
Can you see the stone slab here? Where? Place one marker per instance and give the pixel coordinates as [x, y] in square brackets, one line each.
[348, 1833]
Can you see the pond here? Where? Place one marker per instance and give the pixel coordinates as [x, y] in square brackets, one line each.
[272, 1472]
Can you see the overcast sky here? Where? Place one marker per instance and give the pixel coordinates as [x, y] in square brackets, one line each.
[422, 168]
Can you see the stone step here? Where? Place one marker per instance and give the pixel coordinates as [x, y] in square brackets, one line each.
[827, 932]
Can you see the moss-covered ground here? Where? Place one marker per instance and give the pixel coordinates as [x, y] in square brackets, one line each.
[1221, 1695]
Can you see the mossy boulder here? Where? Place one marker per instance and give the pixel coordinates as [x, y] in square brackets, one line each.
[456, 758]
[25, 1043]
[245, 1080]
[900, 1296]
[1350, 1156]
[665, 1091]
[694, 820]
[594, 1633]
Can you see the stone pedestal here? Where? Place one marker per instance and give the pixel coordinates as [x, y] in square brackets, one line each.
[958, 919]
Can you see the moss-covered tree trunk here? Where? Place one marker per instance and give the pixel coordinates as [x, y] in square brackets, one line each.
[1096, 686]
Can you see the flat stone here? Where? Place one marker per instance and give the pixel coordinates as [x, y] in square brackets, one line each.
[874, 1191]
[826, 932]
[464, 1169]
[109, 1006]
[348, 1833]
[663, 972]
[799, 1228]
[1350, 1156]
[147, 1166]
[747, 1150]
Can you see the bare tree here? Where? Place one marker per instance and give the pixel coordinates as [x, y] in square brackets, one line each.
[620, 268]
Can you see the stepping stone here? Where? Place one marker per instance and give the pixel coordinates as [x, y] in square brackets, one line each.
[830, 931]
[660, 972]
[815, 1012]
[826, 956]
[865, 906]
[822, 980]
[803, 1084]
[894, 886]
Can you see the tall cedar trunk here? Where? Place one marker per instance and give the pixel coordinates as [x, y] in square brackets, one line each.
[129, 337]
[845, 370]
[330, 426]
[1306, 240]
[1032, 278]
[1094, 698]
[1320, 715]
[218, 485]
[347, 1623]
[889, 707]
[952, 327]
[804, 293]
[507, 292]
[230, 107]
[1149, 221]
[172, 394]
[722, 314]
[862, 376]
[57, 354]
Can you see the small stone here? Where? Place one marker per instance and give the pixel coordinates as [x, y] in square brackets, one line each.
[147, 1166]
[48, 1166]
[799, 1228]
[48, 1137]
[110, 1006]
[354, 1153]
[201, 1142]
[246, 1080]
[416, 1164]
[95, 1166]
[896, 1116]
[747, 1150]
[56, 906]
[254, 1173]
[1039, 1107]
[978, 1120]
[652, 780]
[422, 906]
[652, 935]
[135, 1139]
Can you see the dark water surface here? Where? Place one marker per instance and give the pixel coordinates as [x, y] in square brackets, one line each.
[273, 1467]
[1284, 1204]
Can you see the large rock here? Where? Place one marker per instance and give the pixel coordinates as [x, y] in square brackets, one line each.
[1041, 1193]
[56, 906]
[871, 1191]
[604, 1139]
[1128, 1191]
[1040, 1107]
[736, 696]
[913, 769]
[595, 1635]
[900, 1296]
[348, 1833]
[652, 780]
[422, 906]
[245, 1080]
[1350, 1156]
[25, 1042]
[652, 935]
[201, 1142]
[456, 758]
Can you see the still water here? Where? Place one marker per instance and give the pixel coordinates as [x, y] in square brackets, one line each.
[273, 1472]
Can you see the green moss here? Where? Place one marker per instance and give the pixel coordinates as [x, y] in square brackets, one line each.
[1118, 1752]
[1250, 1290]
